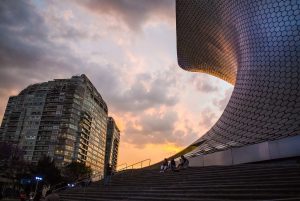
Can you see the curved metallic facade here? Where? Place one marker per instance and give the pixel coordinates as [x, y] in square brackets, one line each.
[254, 45]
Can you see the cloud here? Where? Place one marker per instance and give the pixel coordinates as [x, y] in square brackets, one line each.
[221, 103]
[133, 13]
[17, 22]
[159, 127]
[204, 84]
[145, 92]
[136, 77]
[208, 118]
[156, 128]
[24, 41]
[27, 55]
[30, 53]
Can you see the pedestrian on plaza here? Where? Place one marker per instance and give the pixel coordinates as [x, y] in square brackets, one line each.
[22, 196]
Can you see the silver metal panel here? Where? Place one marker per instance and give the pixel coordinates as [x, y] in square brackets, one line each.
[283, 148]
[196, 161]
[251, 153]
[218, 158]
[287, 147]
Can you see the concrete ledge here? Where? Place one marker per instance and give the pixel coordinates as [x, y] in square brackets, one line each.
[218, 158]
[286, 147]
[251, 153]
[283, 148]
[196, 161]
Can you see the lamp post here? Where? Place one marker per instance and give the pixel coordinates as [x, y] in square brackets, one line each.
[36, 186]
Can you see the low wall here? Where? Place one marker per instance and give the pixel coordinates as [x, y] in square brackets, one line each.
[283, 148]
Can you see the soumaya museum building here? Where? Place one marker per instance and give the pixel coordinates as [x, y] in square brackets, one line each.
[255, 46]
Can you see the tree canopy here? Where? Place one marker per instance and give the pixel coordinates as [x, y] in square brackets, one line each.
[46, 168]
[77, 170]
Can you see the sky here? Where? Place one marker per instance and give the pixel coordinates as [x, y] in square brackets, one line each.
[127, 48]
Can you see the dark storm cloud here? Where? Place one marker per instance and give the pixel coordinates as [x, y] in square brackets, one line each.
[26, 53]
[19, 25]
[134, 12]
[24, 43]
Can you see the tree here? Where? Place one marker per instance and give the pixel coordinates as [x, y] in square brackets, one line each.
[76, 170]
[46, 168]
[12, 165]
[11, 159]
[10, 152]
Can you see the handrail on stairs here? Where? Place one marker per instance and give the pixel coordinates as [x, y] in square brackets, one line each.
[121, 165]
[140, 162]
[82, 180]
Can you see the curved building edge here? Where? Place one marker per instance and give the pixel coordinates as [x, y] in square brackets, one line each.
[235, 41]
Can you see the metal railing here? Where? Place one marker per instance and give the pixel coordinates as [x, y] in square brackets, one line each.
[135, 164]
[121, 166]
[84, 180]
[84, 183]
[100, 175]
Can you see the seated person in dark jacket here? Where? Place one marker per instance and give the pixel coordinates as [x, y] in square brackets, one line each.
[172, 165]
[184, 163]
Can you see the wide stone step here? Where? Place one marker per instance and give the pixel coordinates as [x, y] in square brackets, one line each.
[211, 194]
[199, 190]
[221, 171]
[233, 196]
[190, 177]
[242, 182]
[230, 171]
[171, 175]
[282, 185]
[176, 199]
[197, 185]
[223, 181]
[177, 175]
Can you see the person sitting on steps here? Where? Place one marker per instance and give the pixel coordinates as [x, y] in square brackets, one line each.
[172, 165]
[164, 166]
[184, 163]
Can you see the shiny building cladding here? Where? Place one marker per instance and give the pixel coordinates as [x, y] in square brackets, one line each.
[254, 45]
[64, 118]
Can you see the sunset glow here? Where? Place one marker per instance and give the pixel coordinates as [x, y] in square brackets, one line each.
[128, 51]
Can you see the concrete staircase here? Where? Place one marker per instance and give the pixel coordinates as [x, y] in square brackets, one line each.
[242, 182]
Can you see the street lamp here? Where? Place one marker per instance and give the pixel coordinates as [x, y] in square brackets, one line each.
[38, 178]
[71, 185]
[37, 183]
